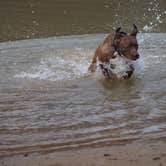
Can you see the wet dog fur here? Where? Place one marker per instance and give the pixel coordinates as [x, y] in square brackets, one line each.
[117, 44]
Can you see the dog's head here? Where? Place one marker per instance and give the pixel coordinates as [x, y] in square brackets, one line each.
[126, 44]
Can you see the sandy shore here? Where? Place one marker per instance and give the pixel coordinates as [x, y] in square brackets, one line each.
[123, 155]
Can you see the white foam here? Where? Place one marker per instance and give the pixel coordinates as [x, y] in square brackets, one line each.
[53, 67]
[139, 66]
[70, 66]
[122, 65]
[148, 28]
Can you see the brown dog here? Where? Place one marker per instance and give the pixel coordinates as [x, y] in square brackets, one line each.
[116, 53]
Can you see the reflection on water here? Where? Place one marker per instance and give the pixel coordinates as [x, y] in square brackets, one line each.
[33, 18]
[49, 103]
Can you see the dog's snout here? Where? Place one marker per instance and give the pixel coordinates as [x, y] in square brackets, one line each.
[135, 56]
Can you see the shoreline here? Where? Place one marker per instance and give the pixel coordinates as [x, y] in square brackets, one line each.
[141, 154]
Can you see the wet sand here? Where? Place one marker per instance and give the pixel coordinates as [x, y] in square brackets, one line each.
[126, 155]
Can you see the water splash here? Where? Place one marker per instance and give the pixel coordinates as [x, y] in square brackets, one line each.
[71, 62]
[70, 65]
[156, 15]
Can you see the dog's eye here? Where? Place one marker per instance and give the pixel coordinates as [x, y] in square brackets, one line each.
[125, 49]
[135, 45]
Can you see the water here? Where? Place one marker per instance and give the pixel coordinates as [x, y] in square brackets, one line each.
[48, 102]
[21, 19]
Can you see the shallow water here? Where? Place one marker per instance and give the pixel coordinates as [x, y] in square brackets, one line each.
[48, 102]
[21, 19]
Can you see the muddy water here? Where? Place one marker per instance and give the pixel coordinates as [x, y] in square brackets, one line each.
[48, 102]
[20, 19]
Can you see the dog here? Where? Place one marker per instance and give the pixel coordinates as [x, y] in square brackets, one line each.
[116, 54]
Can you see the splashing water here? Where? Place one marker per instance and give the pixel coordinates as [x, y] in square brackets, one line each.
[156, 17]
[59, 68]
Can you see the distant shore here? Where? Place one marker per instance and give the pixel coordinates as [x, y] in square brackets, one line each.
[123, 155]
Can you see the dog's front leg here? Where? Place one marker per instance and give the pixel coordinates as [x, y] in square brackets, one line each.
[93, 65]
[105, 72]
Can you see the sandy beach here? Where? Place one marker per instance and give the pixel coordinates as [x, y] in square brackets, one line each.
[133, 154]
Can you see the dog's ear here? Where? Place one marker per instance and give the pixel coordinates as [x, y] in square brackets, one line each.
[118, 33]
[117, 37]
[118, 30]
[135, 31]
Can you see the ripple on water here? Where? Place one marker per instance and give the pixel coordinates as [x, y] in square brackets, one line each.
[48, 103]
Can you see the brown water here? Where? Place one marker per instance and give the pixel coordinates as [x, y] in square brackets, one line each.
[48, 102]
[20, 19]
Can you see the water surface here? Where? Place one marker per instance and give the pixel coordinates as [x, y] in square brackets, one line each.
[48, 102]
[21, 19]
